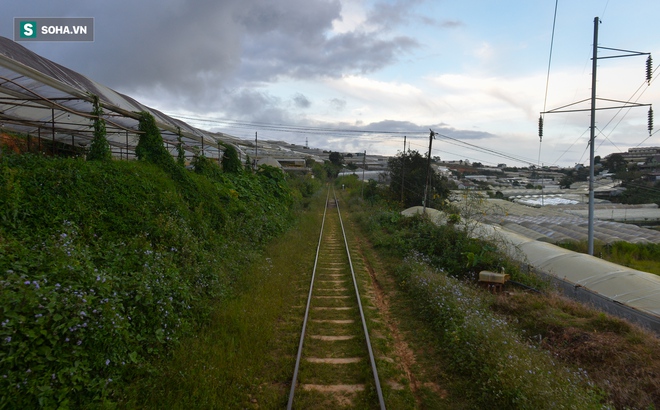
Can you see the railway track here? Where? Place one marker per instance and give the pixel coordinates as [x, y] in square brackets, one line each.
[335, 364]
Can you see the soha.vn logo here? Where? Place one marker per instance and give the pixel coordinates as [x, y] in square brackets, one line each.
[28, 29]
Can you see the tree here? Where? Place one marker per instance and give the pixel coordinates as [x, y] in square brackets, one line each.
[150, 146]
[615, 163]
[412, 166]
[336, 158]
[371, 191]
[99, 149]
[230, 161]
[180, 152]
[566, 181]
[334, 166]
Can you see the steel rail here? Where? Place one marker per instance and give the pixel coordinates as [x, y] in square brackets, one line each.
[372, 360]
[309, 301]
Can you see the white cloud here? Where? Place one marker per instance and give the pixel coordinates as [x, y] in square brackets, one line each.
[375, 100]
[353, 16]
[485, 52]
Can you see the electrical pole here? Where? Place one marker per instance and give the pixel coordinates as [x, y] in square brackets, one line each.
[594, 65]
[428, 173]
[592, 137]
[256, 150]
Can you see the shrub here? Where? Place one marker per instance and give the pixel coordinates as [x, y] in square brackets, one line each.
[230, 161]
[505, 371]
[99, 150]
[104, 265]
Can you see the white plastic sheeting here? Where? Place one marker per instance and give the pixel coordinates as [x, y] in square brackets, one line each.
[561, 224]
[44, 99]
[634, 289]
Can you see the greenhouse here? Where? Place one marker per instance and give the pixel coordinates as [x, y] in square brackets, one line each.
[622, 291]
[52, 105]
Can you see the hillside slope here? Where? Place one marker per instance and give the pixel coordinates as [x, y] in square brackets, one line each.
[105, 265]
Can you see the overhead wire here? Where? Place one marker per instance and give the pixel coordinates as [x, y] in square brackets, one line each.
[473, 159]
[571, 146]
[644, 89]
[601, 132]
[363, 134]
[487, 150]
[547, 80]
[292, 128]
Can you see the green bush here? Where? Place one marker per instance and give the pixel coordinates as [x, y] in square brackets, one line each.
[230, 160]
[505, 372]
[105, 265]
[446, 247]
[99, 150]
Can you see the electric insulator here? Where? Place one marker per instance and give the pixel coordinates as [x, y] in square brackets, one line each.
[649, 69]
[650, 120]
[540, 126]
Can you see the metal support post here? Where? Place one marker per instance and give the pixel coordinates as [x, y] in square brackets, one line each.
[594, 65]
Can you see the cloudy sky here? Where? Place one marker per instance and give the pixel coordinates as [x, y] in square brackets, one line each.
[355, 75]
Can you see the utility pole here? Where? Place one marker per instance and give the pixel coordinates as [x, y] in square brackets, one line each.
[428, 172]
[593, 109]
[592, 137]
[256, 150]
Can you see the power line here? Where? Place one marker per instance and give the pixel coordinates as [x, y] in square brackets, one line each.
[364, 134]
[552, 41]
[487, 150]
[641, 87]
[568, 149]
[293, 128]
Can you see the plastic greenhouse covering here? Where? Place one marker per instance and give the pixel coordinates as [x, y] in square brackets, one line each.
[41, 98]
[617, 284]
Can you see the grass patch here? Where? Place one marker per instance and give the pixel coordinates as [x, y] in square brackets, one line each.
[505, 371]
[470, 357]
[106, 265]
[640, 256]
[244, 357]
[621, 359]
[606, 360]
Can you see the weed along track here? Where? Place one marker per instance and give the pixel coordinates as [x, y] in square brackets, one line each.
[335, 364]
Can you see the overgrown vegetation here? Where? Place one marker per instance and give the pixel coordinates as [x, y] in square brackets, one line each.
[640, 256]
[244, 357]
[99, 149]
[408, 178]
[106, 265]
[446, 247]
[505, 371]
[439, 273]
[513, 348]
[622, 360]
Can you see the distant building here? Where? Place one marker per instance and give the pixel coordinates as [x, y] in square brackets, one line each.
[637, 155]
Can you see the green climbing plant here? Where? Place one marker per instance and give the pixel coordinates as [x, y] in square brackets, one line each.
[230, 161]
[150, 146]
[180, 152]
[100, 148]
